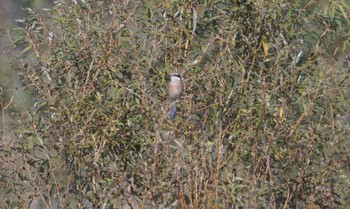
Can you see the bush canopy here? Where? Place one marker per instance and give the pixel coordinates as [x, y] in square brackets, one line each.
[263, 121]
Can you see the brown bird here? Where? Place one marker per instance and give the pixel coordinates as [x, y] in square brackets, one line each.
[175, 88]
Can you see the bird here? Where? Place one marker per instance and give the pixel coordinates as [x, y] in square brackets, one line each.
[175, 88]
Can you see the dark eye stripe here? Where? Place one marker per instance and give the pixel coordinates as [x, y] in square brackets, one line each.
[176, 75]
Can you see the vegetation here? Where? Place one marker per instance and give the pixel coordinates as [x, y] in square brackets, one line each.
[263, 121]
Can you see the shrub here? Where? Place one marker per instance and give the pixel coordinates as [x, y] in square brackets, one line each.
[262, 122]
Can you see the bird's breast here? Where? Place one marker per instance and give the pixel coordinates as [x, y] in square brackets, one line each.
[175, 90]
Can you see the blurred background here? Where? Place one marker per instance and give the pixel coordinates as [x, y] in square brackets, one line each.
[11, 83]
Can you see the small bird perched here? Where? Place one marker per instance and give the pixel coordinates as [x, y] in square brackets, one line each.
[175, 88]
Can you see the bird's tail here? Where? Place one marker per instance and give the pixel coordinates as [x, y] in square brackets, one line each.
[172, 111]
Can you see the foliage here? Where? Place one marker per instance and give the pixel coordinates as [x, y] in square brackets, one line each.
[263, 122]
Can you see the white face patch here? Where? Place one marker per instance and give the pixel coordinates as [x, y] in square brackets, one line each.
[175, 78]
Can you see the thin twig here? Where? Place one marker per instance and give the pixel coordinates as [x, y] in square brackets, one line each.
[3, 108]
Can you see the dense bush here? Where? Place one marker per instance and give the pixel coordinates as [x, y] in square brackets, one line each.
[263, 122]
